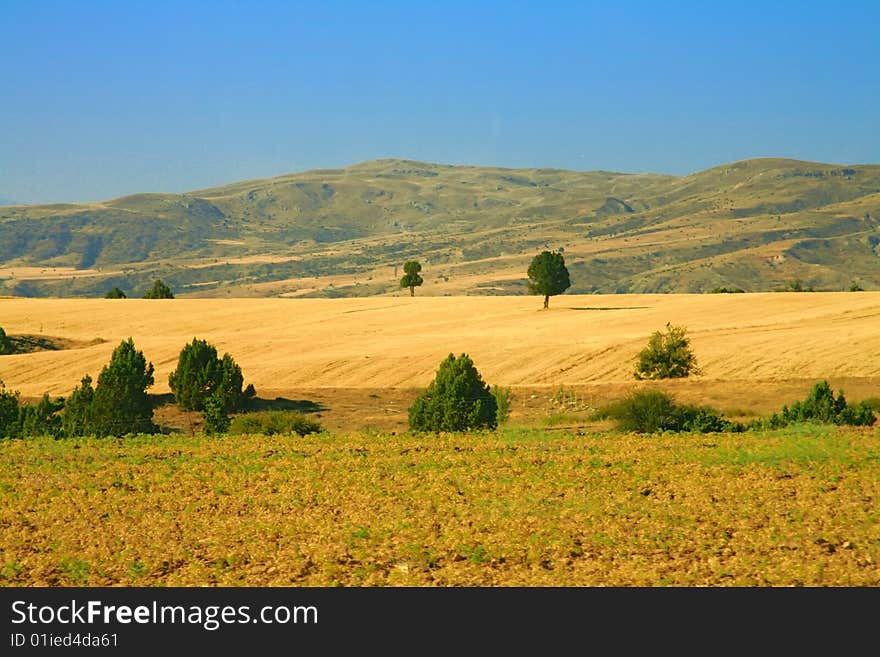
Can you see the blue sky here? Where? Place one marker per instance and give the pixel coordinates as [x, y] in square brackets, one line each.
[102, 99]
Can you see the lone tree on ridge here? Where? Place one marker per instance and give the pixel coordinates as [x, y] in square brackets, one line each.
[411, 278]
[548, 275]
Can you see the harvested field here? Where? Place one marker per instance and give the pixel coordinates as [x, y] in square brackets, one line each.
[398, 342]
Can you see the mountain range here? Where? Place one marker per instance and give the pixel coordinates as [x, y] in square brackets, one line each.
[757, 225]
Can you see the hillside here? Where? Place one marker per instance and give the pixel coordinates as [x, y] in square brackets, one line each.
[756, 224]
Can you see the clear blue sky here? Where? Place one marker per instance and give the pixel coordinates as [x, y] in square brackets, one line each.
[101, 99]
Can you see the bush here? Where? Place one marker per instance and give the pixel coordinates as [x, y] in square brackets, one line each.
[201, 374]
[41, 419]
[159, 291]
[121, 404]
[78, 411]
[6, 346]
[727, 290]
[821, 406]
[503, 399]
[652, 411]
[116, 293]
[8, 413]
[456, 400]
[216, 418]
[667, 356]
[270, 423]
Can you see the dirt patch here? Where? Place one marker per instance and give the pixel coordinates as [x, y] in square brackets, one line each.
[26, 344]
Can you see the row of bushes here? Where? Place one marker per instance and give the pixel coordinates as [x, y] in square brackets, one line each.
[119, 403]
[651, 411]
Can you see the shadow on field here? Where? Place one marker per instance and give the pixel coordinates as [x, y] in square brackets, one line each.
[284, 404]
[611, 308]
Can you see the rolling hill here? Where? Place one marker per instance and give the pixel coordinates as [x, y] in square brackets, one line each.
[757, 224]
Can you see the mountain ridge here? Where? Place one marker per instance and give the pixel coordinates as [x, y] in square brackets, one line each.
[757, 224]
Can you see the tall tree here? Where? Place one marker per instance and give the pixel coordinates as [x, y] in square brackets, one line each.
[121, 404]
[548, 275]
[411, 278]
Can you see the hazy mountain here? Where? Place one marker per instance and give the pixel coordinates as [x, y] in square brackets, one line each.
[755, 224]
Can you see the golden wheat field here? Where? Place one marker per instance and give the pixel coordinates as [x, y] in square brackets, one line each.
[398, 341]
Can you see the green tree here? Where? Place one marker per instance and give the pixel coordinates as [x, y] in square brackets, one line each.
[159, 291]
[216, 418]
[667, 356]
[411, 278]
[121, 404]
[456, 400]
[5, 343]
[855, 287]
[548, 275]
[78, 411]
[201, 374]
[41, 419]
[9, 413]
[115, 293]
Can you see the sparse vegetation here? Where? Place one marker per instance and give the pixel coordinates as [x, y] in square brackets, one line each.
[797, 286]
[667, 356]
[272, 423]
[548, 275]
[456, 400]
[516, 508]
[411, 277]
[652, 411]
[503, 400]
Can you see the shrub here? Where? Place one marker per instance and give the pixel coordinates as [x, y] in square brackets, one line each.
[651, 411]
[216, 418]
[41, 419]
[8, 412]
[159, 290]
[456, 400]
[503, 399]
[77, 414]
[727, 290]
[201, 374]
[855, 287]
[797, 286]
[6, 346]
[667, 356]
[270, 423]
[121, 404]
[116, 293]
[823, 407]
